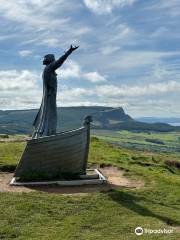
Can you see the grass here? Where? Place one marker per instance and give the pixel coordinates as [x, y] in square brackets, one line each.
[149, 141]
[110, 215]
[10, 153]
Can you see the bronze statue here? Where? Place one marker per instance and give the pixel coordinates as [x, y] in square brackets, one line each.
[50, 156]
[45, 122]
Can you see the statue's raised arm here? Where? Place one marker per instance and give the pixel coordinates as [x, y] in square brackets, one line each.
[57, 63]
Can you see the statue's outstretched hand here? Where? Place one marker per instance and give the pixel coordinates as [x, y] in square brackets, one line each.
[72, 48]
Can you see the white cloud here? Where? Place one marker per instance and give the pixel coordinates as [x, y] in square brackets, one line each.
[116, 36]
[106, 6]
[25, 53]
[73, 95]
[17, 80]
[51, 42]
[70, 70]
[19, 89]
[43, 23]
[94, 77]
[108, 50]
[134, 59]
[112, 91]
[170, 7]
[160, 72]
[73, 70]
[118, 47]
[30, 13]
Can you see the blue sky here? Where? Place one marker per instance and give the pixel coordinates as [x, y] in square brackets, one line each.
[129, 53]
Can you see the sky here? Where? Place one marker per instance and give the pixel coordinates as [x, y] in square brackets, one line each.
[128, 55]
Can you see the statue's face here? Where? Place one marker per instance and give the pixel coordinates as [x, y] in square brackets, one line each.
[49, 58]
[45, 62]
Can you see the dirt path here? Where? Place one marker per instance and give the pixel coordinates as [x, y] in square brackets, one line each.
[115, 180]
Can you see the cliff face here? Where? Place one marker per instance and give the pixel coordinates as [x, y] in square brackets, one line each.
[117, 119]
[114, 114]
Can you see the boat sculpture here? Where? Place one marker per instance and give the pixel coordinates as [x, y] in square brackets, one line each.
[55, 157]
[63, 155]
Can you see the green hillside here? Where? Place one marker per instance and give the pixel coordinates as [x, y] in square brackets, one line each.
[110, 215]
[20, 121]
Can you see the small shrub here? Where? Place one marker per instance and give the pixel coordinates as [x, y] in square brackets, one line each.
[4, 136]
[173, 163]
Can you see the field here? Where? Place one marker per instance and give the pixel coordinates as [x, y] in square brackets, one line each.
[148, 141]
[107, 215]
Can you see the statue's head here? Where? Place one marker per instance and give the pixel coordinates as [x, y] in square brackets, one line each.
[49, 58]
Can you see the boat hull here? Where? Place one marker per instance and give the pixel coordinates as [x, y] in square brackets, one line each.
[62, 155]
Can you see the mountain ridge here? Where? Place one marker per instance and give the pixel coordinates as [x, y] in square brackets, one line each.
[20, 121]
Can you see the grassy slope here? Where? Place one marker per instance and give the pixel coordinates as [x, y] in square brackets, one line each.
[9, 155]
[137, 140]
[105, 215]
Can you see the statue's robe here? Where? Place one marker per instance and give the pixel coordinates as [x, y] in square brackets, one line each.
[45, 122]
